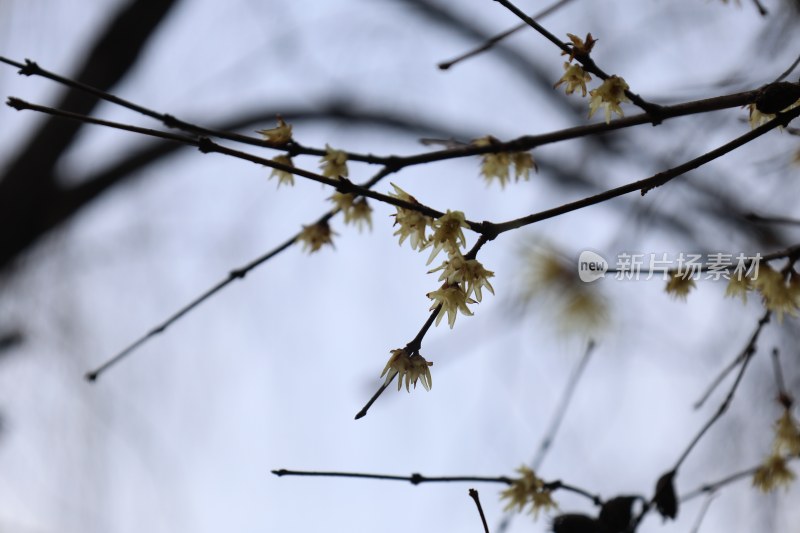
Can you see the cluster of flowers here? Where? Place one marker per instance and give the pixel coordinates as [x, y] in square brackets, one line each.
[780, 291]
[463, 278]
[498, 165]
[528, 490]
[774, 472]
[333, 165]
[609, 95]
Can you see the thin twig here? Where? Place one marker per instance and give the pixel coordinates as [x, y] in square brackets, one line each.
[444, 65]
[702, 514]
[784, 397]
[414, 479]
[474, 495]
[788, 70]
[653, 110]
[654, 181]
[752, 217]
[561, 409]
[749, 351]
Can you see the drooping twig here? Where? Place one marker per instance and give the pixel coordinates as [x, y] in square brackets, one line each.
[444, 65]
[753, 217]
[415, 344]
[474, 495]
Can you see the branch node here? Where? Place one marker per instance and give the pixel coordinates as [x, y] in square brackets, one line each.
[31, 68]
[206, 145]
[416, 479]
[16, 103]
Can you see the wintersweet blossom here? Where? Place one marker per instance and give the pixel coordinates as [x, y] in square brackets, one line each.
[413, 368]
[738, 286]
[610, 95]
[787, 434]
[679, 285]
[334, 163]
[315, 236]
[284, 177]
[279, 135]
[453, 299]
[528, 489]
[447, 234]
[497, 165]
[412, 223]
[773, 473]
[575, 78]
[779, 295]
[578, 46]
[469, 272]
[356, 212]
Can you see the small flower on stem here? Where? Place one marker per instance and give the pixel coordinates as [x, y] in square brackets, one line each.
[412, 368]
[447, 234]
[679, 285]
[579, 47]
[787, 434]
[575, 78]
[412, 223]
[453, 299]
[610, 94]
[469, 272]
[315, 236]
[334, 163]
[356, 212]
[279, 135]
[284, 177]
[773, 473]
[528, 489]
[738, 286]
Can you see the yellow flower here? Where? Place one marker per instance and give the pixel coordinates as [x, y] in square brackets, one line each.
[778, 296]
[315, 236]
[413, 368]
[579, 47]
[575, 78]
[528, 489]
[334, 163]
[610, 94]
[679, 285]
[787, 434]
[412, 223]
[470, 272]
[453, 299]
[773, 473]
[757, 118]
[498, 164]
[738, 286]
[523, 164]
[355, 211]
[550, 281]
[447, 234]
[280, 135]
[284, 177]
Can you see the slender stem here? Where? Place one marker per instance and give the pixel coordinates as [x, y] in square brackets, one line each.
[474, 495]
[702, 514]
[654, 111]
[561, 410]
[444, 65]
[748, 352]
[784, 397]
[414, 479]
[788, 71]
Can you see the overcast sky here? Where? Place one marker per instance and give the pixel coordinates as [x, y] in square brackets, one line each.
[268, 374]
